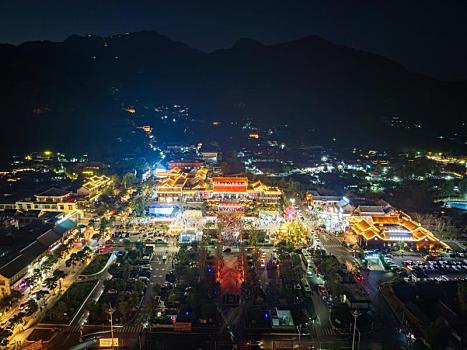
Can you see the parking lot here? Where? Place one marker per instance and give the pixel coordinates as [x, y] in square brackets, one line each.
[415, 268]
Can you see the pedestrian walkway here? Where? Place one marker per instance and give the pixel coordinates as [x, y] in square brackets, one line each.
[324, 331]
[128, 329]
[332, 245]
[117, 329]
[73, 329]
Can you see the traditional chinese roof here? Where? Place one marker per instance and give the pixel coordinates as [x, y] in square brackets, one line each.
[396, 227]
[53, 192]
[96, 182]
[232, 180]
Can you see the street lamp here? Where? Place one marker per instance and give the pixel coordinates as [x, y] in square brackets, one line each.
[355, 314]
[299, 336]
[111, 311]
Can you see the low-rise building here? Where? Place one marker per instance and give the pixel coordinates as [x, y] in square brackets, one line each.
[51, 200]
[422, 306]
[185, 164]
[179, 186]
[94, 186]
[229, 193]
[22, 261]
[356, 297]
[375, 226]
[210, 157]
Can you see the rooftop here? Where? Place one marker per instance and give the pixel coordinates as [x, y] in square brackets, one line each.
[397, 226]
[23, 259]
[32, 251]
[53, 192]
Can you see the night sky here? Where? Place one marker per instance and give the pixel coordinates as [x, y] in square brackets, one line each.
[426, 36]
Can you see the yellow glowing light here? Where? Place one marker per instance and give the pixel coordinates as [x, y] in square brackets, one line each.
[253, 136]
[108, 342]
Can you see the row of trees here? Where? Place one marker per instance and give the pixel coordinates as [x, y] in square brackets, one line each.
[78, 256]
[329, 267]
[442, 226]
[64, 310]
[119, 292]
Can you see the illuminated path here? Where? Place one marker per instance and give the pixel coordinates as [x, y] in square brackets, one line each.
[453, 202]
[96, 275]
[451, 199]
[230, 276]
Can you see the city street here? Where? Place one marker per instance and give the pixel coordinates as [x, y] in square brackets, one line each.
[161, 263]
[20, 333]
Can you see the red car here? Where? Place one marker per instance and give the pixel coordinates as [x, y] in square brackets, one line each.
[359, 277]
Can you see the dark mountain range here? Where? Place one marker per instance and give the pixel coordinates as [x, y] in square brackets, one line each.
[68, 94]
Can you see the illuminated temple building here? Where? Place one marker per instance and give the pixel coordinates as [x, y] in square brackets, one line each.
[180, 186]
[227, 193]
[392, 228]
[230, 193]
[94, 186]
